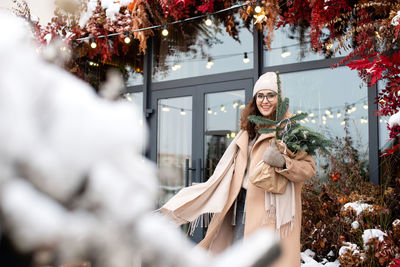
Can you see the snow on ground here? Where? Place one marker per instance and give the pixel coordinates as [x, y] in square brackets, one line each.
[372, 233]
[357, 206]
[307, 257]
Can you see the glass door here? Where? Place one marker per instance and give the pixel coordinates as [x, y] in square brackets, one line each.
[222, 115]
[191, 129]
[174, 144]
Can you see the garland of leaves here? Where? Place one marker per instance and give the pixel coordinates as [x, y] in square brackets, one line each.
[294, 135]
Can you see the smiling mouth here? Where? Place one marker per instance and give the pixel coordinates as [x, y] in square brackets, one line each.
[266, 107]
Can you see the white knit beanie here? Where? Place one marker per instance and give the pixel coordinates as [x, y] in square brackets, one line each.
[266, 81]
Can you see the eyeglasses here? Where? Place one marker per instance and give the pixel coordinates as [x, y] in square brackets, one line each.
[270, 97]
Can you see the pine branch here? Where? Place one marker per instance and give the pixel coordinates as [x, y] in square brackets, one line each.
[261, 120]
[297, 117]
[281, 109]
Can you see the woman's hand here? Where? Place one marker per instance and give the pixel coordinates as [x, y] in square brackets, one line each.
[273, 156]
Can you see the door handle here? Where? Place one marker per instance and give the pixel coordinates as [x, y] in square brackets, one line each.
[196, 171]
[187, 169]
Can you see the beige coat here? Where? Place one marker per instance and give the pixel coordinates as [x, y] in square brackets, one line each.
[191, 202]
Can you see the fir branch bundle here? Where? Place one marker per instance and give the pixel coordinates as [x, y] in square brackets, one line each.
[294, 135]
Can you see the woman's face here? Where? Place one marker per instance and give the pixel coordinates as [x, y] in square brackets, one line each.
[266, 101]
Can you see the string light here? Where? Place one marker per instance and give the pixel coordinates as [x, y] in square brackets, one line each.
[222, 108]
[338, 115]
[93, 43]
[127, 39]
[209, 111]
[299, 111]
[183, 112]
[94, 64]
[343, 123]
[208, 21]
[365, 106]
[233, 134]
[235, 105]
[128, 97]
[257, 9]
[313, 121]
[215, 113]
[328, 112]
[165, 31]
[176, 66]
[324, 122]
[285, 53]
[210, 63]
[228, 136]
[241, 106]
[166, 109]
[324, 118]
[246, 59]
[311, 115]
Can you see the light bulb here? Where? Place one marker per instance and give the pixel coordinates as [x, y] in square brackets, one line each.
[127, 40]
[93, 43]
[210, 63]
[311, 115]
[166, 109]
[343, 123]
[183, 112]
[208, 22]
[365, 106]
[285, 53]
[324, 118]
[209, 111]
[338, 115]
[235, 104]
[241, 106]
[313, 120]
[246, 59]
[165, 32]
[324, 122]
[257, 9]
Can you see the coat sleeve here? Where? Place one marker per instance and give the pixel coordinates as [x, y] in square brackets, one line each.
[298, 170]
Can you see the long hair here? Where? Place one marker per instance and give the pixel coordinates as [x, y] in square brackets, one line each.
[251, 109]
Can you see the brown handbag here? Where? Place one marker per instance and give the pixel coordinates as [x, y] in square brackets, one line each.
[264, 176]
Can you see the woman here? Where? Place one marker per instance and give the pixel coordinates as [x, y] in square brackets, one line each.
[239, 207]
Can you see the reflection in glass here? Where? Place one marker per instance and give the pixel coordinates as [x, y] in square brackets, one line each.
[333, 98]
[134, 77]
[383, 121]
[174, 144]
[214, 54]
[137, 100]
[285, 49]
[222, 115]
